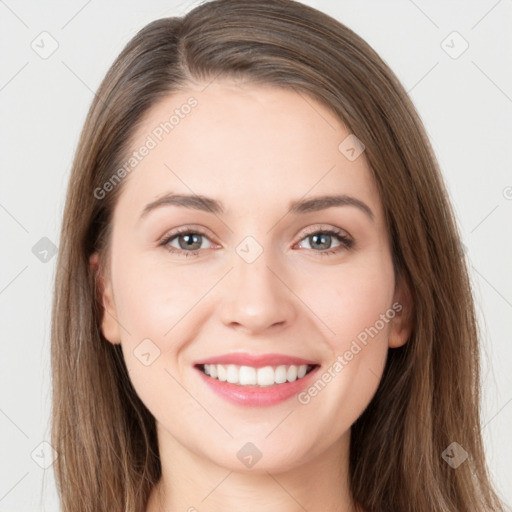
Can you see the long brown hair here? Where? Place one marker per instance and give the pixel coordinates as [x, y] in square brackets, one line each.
[429, 394]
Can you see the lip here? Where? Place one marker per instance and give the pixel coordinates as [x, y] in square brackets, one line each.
[256, 396]
[256, 361]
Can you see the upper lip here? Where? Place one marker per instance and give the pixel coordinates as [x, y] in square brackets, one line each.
[257, 360]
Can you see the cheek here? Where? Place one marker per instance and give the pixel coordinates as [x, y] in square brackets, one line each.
[155, 305]
[151, 299]
[351, 303]
[348, 299]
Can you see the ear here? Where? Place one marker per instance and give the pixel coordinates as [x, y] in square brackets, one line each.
[401, 324]
[105, 297]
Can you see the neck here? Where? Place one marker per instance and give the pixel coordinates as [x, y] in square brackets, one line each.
[195, 484]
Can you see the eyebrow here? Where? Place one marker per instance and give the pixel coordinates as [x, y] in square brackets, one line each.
[301, 206]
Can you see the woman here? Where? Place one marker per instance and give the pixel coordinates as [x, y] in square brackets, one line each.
[219, 359]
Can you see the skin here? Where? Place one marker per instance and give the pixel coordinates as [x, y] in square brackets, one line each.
[255, 148]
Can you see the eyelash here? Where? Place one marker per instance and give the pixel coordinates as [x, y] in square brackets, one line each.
[346, 242]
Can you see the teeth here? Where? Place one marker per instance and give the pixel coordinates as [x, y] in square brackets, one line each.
[266, 376]
[292, 373]
[249, 376]
[233, 374]
[281, 375]
[222, 374]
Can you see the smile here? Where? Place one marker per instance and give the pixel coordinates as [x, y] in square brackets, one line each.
[250, 376]
[256, 386]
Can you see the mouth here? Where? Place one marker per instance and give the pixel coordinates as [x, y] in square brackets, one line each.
[259, 377]
[256, 379]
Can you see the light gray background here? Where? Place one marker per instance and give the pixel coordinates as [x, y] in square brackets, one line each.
[465, 103]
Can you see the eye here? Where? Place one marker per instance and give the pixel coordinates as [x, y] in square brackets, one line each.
[186, 242]
[323, 241]
[189, 242]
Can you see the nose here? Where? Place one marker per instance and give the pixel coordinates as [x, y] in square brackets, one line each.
[257, 297]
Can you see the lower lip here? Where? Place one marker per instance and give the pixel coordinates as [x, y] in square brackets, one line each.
[255, 395]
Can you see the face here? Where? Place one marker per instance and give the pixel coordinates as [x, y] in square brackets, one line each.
[263, 271]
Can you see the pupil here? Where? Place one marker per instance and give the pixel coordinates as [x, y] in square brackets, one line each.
[325, 244]
[322, 241]
[190, 240]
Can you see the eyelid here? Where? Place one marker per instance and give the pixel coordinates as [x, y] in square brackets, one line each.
[322, 228]
[189, 228]
[201, 230]
[345, 240]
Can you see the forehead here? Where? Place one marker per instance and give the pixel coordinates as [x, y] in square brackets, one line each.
[243, 143]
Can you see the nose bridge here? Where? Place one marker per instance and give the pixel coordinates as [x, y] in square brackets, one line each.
[256, 297]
